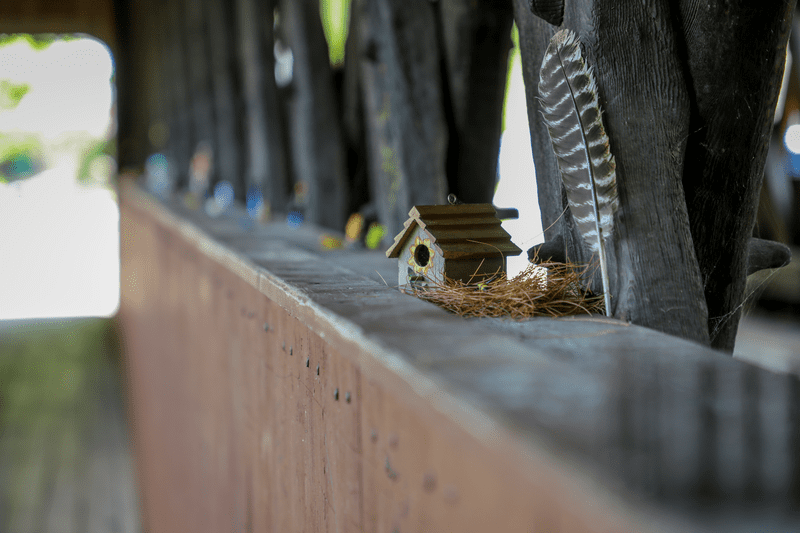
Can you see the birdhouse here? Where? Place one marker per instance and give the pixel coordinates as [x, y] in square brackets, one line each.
[463, 242]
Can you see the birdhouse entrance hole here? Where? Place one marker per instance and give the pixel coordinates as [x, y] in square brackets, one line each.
[422, 255]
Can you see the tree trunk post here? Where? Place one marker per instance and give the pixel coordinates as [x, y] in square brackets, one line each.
[687, 110]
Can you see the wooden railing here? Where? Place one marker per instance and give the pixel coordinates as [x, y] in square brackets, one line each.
[275, 387]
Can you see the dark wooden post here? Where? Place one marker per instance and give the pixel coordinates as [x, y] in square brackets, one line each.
[181, 136]
[197, 55]
[225, 80]
[476, 39]
[675, 113]
[132, 72]
[318, 154]
[735, 59]
[265, 151]
[407, 130]
[352, 105]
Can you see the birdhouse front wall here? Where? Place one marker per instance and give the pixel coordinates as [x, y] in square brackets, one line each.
[419, 260]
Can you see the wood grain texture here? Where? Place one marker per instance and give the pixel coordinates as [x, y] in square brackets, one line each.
[468, 425]
[734, 57]
[657, 282]
[407, 131]
[690, 133]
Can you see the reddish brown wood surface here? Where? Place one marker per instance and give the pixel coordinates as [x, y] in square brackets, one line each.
[246, 418]
[419, 420]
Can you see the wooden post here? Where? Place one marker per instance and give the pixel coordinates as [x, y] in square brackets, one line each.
[225, 80]
[407, 130]
[131, 74]
[314, 116]
[735, 66]
[197, 55]
[265, 150]
[689, 133]
[352, 106]
[476, 39]
[180, 126]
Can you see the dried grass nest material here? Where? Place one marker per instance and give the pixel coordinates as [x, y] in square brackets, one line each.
[544, 289]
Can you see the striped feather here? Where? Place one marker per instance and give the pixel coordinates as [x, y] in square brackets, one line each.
[571, 111]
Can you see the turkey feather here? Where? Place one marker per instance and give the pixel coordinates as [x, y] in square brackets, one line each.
[572, 113]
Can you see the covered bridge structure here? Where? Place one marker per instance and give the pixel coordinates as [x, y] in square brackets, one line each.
[279, 384]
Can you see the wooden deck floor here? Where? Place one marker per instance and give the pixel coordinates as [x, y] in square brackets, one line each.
[65, 459]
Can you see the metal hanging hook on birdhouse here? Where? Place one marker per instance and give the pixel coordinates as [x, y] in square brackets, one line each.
[453, 200]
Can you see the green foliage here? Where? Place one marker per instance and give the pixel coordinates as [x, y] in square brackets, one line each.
[20, 146]
[16, 143]
[335, 17]
[97, 149]
[513, 56]
[37, 42]
[11, 93]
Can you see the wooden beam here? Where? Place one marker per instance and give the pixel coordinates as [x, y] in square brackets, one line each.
[417, 418]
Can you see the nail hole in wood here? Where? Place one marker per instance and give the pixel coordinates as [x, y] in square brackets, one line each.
[336, 395]
[347, 397]
[307, 362]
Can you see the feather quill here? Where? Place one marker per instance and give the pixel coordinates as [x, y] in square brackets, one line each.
[572, 113]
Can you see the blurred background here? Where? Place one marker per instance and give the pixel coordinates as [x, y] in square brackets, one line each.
[65, 460]
[65, 456]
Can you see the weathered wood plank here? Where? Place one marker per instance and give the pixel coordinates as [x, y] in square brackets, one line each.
[542, 411]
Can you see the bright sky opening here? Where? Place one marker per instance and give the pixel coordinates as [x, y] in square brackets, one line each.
[59, 238]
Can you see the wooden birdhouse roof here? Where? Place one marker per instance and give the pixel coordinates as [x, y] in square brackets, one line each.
[465, 231]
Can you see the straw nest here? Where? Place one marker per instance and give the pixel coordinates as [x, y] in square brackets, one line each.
[544, 289]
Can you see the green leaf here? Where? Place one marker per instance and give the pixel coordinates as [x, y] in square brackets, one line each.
[11, 93]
